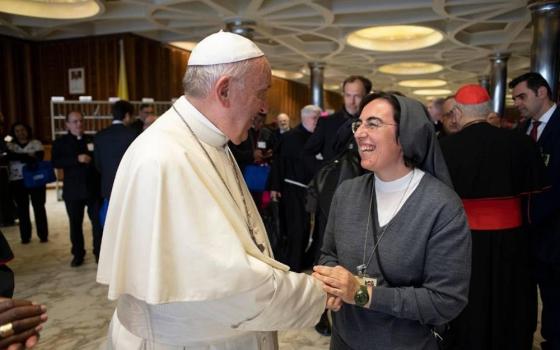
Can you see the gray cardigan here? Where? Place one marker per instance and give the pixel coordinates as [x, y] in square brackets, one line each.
[425, 257]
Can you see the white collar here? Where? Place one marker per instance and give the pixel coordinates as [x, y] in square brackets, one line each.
[546, 116]
[201, 126]
[399, 184]
[116, 121]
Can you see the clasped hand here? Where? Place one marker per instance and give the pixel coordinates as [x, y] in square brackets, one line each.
[26, 320]
[338, 282]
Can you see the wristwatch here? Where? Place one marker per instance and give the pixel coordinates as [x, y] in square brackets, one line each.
[361, 297]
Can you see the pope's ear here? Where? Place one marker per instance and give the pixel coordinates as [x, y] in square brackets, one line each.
[222, 90]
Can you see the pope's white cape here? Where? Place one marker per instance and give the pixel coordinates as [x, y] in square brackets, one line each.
[173, 233]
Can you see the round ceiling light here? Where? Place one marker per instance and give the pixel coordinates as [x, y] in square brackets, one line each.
[410, 68]
[394, 38]
[185, 45]
[428, 92]
[54, 9]
[422, 83]
[332, 86]
[284, 74]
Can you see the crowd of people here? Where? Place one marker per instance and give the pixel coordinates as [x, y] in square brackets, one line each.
[423, 227]
[88, 167]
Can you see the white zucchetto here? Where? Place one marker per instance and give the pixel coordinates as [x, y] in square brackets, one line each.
[223, 47]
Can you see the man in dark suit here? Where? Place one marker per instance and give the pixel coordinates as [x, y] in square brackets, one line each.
[73, 153]
[329, 139]
[532, 97]
[145, 116]
[110, 145]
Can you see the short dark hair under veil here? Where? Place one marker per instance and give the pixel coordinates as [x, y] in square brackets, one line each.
[415, 134]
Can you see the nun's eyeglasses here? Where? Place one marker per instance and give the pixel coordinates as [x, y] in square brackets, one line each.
[371, 123]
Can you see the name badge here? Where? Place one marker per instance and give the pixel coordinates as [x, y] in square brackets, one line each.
[369, 281]
[90, 146]
[261, 144]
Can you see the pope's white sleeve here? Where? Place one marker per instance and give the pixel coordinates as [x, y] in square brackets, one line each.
[286, 300]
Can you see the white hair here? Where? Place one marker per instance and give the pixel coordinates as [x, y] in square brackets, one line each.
[198, 80]
[310, 110]
[480, 110]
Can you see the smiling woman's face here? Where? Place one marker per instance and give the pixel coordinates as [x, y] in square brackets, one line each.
[379, 150]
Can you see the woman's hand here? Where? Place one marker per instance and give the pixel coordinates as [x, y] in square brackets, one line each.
[20, 323]
[338, 282]
[333, 303]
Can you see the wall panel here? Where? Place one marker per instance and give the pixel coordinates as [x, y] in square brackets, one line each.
[32, 72]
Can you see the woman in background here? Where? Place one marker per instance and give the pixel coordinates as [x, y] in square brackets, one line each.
[24, 150]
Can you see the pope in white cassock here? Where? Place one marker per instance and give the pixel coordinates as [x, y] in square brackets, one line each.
[184, 250]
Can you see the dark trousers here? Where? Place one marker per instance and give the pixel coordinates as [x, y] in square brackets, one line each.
[548, 279]
[6, 282]
[38, 198]
[296, 226]
[75, 210]
[7, 210]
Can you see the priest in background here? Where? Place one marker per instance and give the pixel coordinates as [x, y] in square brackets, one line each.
[185, 251]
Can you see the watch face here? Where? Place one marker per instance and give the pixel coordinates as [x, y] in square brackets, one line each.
[361, 297]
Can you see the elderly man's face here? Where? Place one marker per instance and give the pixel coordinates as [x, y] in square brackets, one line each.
[353, 94]
[249, 99]
[309, 121]
[283, 121]
[448, 119]
[75, 124]
[379, 150]
[435, 111]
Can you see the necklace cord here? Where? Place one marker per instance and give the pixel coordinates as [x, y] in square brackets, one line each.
[248, 220]
[365, 264]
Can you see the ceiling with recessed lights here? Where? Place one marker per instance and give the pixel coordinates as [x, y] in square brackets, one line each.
[293, 33]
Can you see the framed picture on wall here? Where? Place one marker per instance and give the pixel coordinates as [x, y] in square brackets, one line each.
[76, 81]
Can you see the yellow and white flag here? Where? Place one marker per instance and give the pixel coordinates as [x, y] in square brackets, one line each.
[122, 87]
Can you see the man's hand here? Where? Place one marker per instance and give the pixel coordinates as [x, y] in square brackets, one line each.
[84, 158]
[333, 303]
[267, 154]
[20, 323]
[338, 282]
[257, 156]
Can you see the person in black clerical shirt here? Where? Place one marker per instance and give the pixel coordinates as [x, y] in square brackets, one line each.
[494, 171]
[146, 117]
[329, 139]
[291, 172]
[73, 153]
[255, 150]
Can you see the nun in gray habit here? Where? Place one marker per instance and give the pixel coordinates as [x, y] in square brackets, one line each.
[397, 247]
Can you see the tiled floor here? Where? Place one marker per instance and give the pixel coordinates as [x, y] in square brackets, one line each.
[78, 309]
